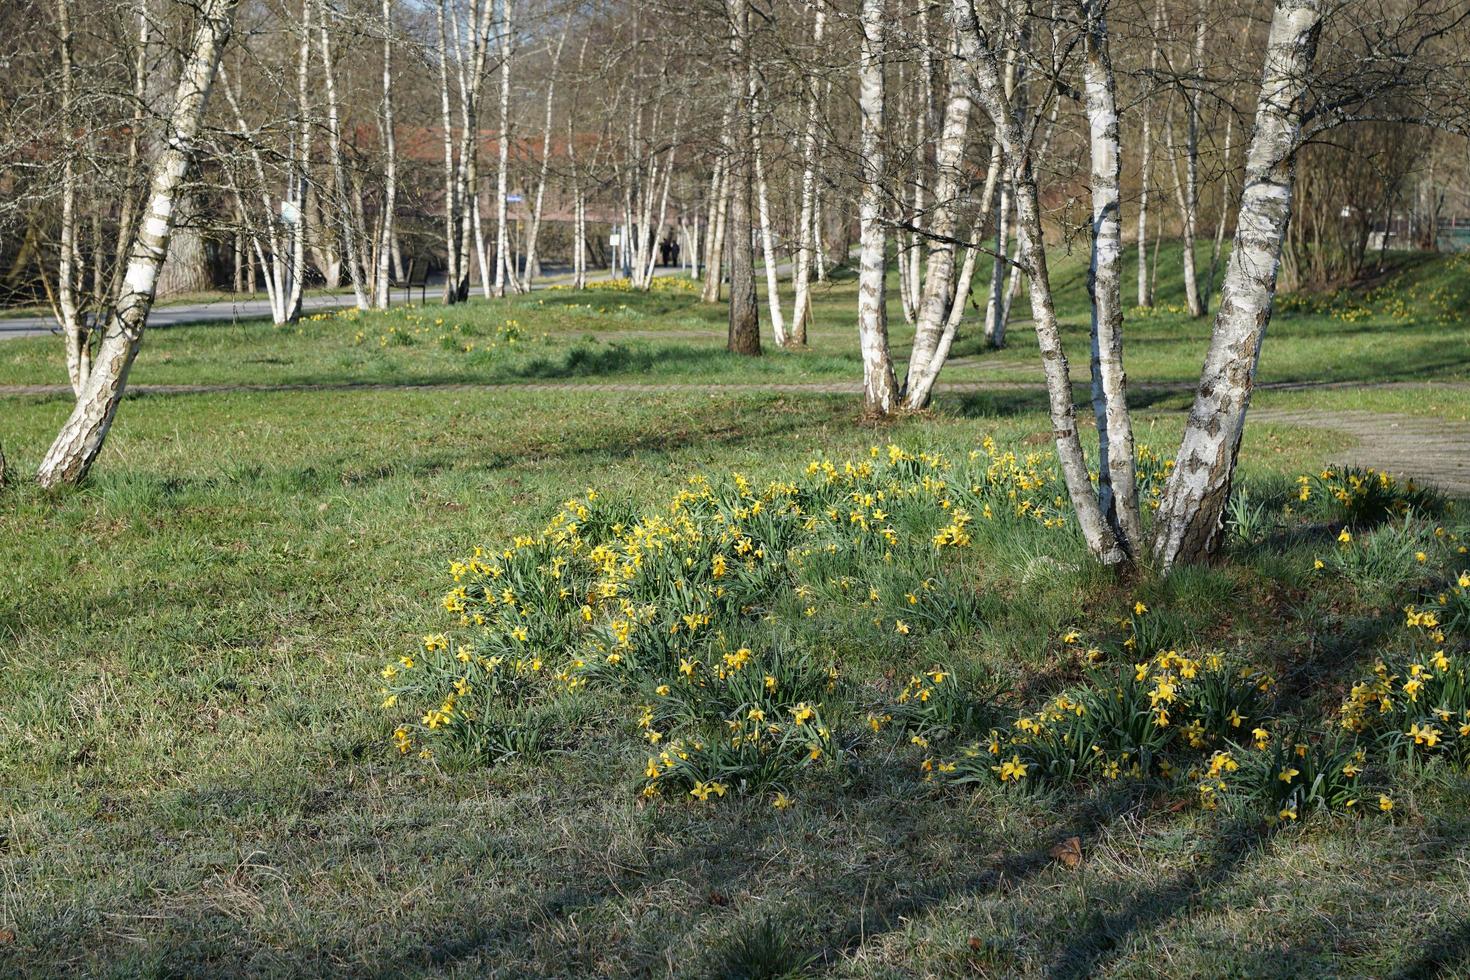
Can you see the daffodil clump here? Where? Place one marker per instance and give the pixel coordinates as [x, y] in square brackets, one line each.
[658, 284]
[1416, 705]
[689, 600]
[726, 622]
[409, 326]
[1359, 497]
[743, 720]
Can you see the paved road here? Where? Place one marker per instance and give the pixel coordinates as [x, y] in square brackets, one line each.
[228, 308]
[225, 308]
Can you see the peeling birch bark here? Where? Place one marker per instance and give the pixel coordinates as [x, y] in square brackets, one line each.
[1190, 518]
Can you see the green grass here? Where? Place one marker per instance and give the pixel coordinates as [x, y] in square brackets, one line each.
[196, 778]
[1412, 332]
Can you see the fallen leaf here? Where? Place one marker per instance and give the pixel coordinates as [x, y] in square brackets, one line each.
[1069, 852]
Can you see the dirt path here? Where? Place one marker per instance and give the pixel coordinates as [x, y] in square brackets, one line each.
[1431, 450]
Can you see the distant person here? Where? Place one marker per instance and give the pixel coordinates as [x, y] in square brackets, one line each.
[663, 252]
[673, 251]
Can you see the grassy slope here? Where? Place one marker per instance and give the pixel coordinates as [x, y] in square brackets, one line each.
[194, 776]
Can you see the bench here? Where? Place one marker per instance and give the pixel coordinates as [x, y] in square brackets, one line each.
[417, 278]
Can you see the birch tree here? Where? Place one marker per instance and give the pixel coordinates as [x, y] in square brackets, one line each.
[387, 219]
[744, 333]
[351, 234]
[80, 440]
[988, 92]
[1190, 517]
[880, 389]
[927, 357]
[806, 231]
[1117, 487]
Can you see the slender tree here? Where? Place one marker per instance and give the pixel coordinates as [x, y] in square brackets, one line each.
[81, 438]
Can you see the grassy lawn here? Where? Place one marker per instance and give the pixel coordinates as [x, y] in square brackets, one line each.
[197, 777]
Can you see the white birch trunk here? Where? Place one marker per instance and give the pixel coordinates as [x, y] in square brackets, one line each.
[382, 295]
[505, 273]
[81, 438]
[451, 196]
[1117, 487]
[938, 283]
[990, 94]
[972, 254]
[805, 230]
[68, 273]
[995, 330]
[879, 385]
[533, 234]
[1189, 519]
[768, 247]
[352, 236]
[1145, 166]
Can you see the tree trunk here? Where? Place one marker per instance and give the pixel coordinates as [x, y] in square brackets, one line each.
[451, 197]
[382, 295]
[81, 438]
[73, 330]
[880, 389]
[995, 329]
[938, 288]
[505, 272]
[347, 227]
[805, 231]
[1189, 519]
[745, 324]
[533, 234]
[1117, 488]
[1145, 166]
[989, 93]
[768, 248]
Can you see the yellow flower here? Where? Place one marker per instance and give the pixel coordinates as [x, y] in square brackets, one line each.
[1385, 804]
[1344, 537]
[899, 626]
[662, 690]
[1426, 735]
[770, 683]
[782, 801]
[703, 791]
[1013, 770]
[803, 713]
[1261, 736]
[1287, 775]
[686, 666]
[1139, 609]
[1235, 718]
[1420, 557]
[1288, 813]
